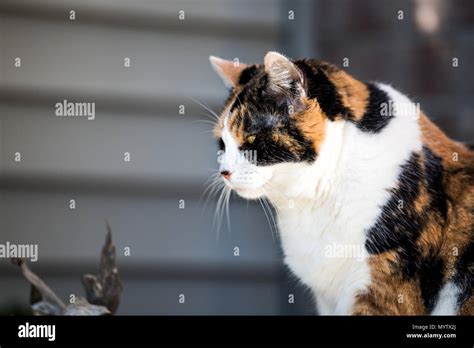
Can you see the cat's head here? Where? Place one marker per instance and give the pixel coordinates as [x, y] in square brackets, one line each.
[269, 124]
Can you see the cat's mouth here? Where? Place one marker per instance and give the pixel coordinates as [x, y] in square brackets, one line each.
[248, 185]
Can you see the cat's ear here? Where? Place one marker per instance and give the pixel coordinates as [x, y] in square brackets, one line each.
[228, 70]
[283, 74]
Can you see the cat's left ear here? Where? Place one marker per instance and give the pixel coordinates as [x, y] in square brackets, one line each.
[283, 74]
[228, 70]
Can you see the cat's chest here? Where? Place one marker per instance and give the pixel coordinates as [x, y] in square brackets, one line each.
[324, 247]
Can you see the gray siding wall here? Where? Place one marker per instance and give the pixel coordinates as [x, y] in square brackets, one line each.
[173, 251]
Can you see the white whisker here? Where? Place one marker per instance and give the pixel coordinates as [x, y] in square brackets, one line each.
[207, 108]
[268, 219]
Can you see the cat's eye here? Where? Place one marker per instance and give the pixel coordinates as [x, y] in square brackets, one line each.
[251, 138]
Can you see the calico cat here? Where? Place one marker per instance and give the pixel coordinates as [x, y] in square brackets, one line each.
[352, 166]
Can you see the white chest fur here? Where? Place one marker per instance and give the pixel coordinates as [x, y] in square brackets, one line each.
[325, 209]
[325, 250]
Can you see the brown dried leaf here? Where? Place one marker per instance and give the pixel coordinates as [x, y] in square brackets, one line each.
[40, 292]
[105, 288]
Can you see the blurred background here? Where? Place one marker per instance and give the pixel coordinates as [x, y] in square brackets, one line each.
[153, 203]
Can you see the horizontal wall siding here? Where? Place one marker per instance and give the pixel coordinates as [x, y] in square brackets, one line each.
[173, 250]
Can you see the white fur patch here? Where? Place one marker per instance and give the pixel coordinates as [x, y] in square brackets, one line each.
[447, 300]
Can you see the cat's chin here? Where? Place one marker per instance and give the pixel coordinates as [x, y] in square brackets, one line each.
[249, 193]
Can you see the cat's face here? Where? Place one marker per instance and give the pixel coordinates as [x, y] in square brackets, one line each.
[268, 125]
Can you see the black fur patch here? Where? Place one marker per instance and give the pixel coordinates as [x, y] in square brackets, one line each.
[399, 225]
[265, 123]
[238, 100]
[319, 87]
[399, 228]
[464, 277]
[373, 120]
[247, 74]
[251, 92]
[432, 267]
[434, 182]
[221, 144]
[431, 279]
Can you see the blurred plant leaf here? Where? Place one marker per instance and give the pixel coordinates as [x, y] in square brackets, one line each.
[105, 289]
[102, 291]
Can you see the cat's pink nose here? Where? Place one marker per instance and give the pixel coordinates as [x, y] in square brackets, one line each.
[226, 174]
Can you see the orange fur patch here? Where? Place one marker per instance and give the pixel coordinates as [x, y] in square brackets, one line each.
[388, 293]
[312, 123]
[459, 187]
[354, 94]
[449, 150]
